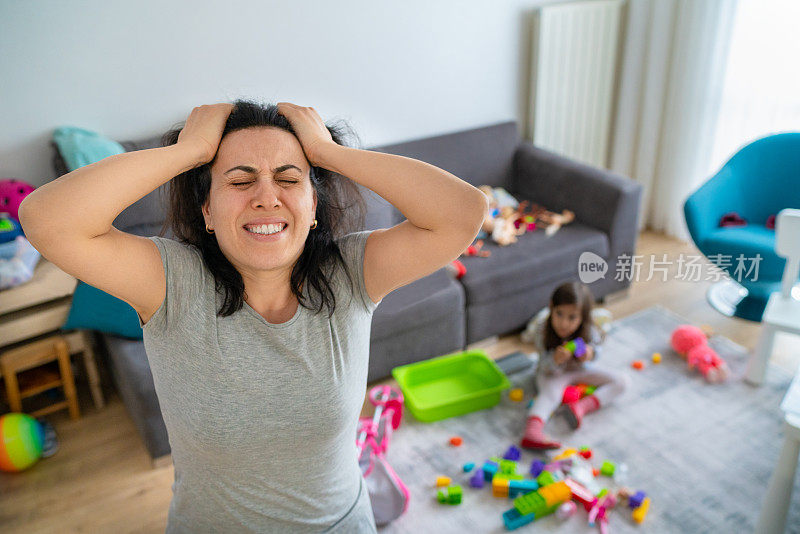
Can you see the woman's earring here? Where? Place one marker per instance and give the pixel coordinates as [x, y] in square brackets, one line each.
[209, 230]
[314, 225]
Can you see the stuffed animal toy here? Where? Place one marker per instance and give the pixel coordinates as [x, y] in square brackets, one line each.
[692, 343]
[12, 191]
[554, 221]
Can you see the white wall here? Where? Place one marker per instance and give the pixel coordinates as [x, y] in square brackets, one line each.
[395, 70]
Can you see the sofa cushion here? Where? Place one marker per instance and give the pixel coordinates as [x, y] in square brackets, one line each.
[749, 241]
[478, 156]
[417, 321]
[534, 260]
[94, 309]
[81, 147]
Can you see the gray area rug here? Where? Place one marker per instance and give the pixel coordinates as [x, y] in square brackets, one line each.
[703, 453]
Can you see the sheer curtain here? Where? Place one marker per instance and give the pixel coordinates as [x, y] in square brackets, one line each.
[761, 92]
[670, 90]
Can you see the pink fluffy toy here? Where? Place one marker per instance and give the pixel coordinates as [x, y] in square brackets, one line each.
[691, 343]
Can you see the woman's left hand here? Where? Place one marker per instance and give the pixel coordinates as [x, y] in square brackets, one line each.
[589, 354]
[309, 129]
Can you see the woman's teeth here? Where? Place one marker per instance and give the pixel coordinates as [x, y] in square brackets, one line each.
[265, 229]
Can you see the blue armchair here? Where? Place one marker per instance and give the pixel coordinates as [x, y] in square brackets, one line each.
[758, 181]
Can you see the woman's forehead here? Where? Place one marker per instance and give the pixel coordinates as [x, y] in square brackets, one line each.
[263, 148]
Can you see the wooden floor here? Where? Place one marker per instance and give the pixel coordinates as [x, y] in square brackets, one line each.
[101, 479]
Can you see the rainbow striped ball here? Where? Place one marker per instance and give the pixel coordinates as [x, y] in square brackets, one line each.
[21, 440]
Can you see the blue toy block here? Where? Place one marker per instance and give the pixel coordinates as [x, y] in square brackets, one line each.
[521, 486]
[512, 519]
[476, 481]
[537, 466]
[489, 469]
[513, 453]
[468, 466]
[635, 500]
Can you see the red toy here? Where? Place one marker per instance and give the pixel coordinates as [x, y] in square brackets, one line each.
[691, 343]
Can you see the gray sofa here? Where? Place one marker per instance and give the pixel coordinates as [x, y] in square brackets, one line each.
[439, 314]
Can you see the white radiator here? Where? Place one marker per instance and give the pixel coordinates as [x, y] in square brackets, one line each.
[573, 72]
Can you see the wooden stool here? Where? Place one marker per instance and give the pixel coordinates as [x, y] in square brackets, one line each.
[34, 355]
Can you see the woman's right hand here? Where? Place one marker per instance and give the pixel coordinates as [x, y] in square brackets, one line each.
[203, 130]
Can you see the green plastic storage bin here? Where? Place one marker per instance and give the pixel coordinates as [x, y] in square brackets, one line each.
[451, 385]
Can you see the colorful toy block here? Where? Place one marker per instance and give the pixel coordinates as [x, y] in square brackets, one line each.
[516, 487]
[512, 519]
[469, 466]
[500, 487]
[516, 394]
[489, 470]
[509, 467]
[545, 478]
[656, 357]
[576, 347]
[537, 466]
[635, 500]
[477, 480]
[638, 365]
[442, 481]
[513, 453]
[543, 501]
[453, 495]
[566, 454]
[607, 469]
[456, 441]
[556, 493]
[585, 452]
[640, 513]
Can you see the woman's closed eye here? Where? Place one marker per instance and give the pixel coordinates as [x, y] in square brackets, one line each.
[279, 181]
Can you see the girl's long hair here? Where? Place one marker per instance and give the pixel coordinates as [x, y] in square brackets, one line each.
[570, 293]
[340, 210]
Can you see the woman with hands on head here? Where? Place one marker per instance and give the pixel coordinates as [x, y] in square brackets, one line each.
[256, 313]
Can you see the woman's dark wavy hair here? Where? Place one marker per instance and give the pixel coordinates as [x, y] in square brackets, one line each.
[340, 210]
[570, 293]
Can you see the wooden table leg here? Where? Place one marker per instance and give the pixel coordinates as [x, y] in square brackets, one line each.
[91, 370]
[68, 382]
[12, 390]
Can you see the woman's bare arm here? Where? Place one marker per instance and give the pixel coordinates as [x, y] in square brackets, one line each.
[444, 213]
[70, 219]
[86, 201]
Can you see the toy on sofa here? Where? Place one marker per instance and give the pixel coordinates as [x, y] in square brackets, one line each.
[692, 343]
[12, 191]
[18, 259]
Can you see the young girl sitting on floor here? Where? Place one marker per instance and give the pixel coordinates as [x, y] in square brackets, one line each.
[570, 318]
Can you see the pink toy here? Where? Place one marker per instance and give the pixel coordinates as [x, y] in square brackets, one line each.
[388, 494]
[691, 343]
[12, 191]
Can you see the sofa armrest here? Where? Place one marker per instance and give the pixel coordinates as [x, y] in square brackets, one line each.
[600, 198]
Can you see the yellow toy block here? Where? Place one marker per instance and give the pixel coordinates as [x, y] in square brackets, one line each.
[516, 394]
[656, 357]
[500, 487]
[442, 481]
[566, 454]
[556, 493]
[640, 513]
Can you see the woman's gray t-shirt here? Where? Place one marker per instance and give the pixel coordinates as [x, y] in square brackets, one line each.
[261, 417]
